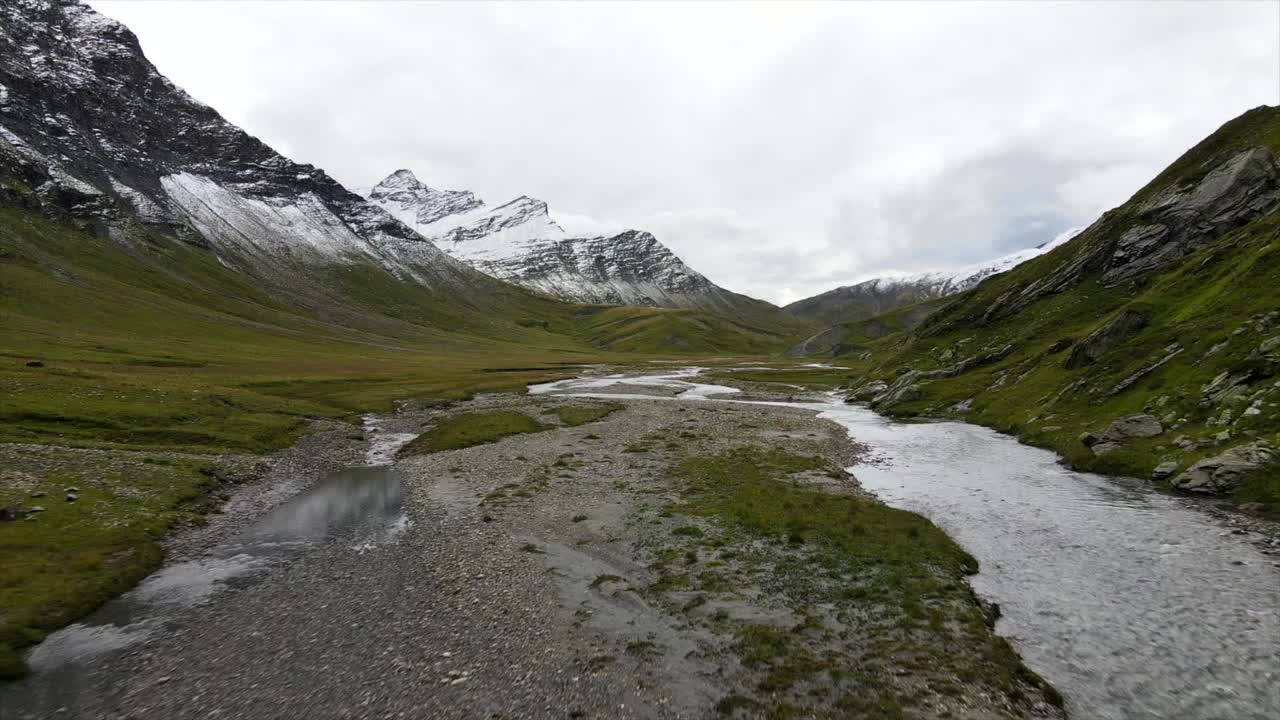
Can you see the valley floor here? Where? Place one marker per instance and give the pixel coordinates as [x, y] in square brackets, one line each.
[625, 567]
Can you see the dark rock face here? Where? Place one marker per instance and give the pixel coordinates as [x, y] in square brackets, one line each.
[1180, 220]
[1133, 426]
[906, 387]
[1164, 471]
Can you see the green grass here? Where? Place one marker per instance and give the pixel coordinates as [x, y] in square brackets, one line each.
[575, 415]
[746, 487]
[905, 582]
[473, 428]
[77, 555]
[152, 344]
[1206, 304]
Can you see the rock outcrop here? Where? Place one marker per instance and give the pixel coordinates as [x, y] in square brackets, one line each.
[1124, 325]
[1121, 431]
[1177, 221]
[1180, 220]
[1222, 473]
[907, 385]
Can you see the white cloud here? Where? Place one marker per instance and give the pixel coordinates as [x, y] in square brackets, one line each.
[779, 148]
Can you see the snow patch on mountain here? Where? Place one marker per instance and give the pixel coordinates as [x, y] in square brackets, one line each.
[968, 276]
[270, 227]
[520, 242]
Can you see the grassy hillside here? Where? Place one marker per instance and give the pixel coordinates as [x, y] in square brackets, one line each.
[854, 337]
[1086, 351]
[117, 354]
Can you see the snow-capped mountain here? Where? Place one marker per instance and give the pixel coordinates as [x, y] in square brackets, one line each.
[521, 243]
[102, 137]
[92, 133]
[893, 290]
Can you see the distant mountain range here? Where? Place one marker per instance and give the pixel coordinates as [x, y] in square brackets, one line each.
[519, 242]
[882, 294]
[92, 134]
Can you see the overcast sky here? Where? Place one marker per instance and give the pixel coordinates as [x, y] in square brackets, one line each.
[781, 150]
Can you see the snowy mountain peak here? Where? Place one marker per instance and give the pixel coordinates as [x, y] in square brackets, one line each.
[518, 241]
[401, 179]
[415, 204]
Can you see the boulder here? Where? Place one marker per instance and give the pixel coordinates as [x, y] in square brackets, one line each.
[900, 393]
[1105, 447]
[1222, 472]
[1126, 428]
[1133, 426]
[1164, 471]
[869, 390]
[1060, 345]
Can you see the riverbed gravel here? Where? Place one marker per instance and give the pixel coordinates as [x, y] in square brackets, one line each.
[521, 586]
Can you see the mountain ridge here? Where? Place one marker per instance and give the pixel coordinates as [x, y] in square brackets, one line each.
[1147, 346]
[93, 134]
[520, 242]
[868, 298]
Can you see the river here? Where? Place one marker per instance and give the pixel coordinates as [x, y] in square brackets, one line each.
[1135, 604]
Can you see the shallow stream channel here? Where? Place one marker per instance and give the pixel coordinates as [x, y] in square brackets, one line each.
[1135, 604]
[360, 505]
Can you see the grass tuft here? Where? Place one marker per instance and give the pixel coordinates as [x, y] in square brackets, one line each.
[470, 429]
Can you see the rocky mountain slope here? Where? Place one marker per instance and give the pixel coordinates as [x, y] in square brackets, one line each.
[93, 135]
[520, 242]
[100, 134]
[873, 297]
[1147, 345]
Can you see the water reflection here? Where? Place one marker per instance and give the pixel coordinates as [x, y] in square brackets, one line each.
[363, 504]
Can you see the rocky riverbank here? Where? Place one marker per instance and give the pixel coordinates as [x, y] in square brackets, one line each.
[585, 571]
